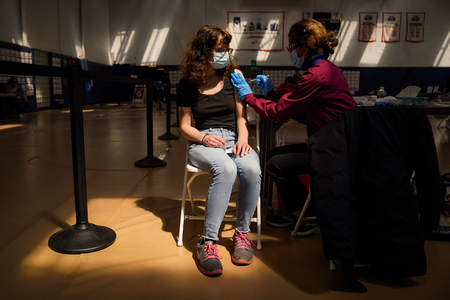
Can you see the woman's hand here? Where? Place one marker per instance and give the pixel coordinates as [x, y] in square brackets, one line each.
[214, 141]
[241, 149]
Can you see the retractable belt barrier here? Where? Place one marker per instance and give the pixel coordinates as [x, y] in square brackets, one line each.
[84, 237]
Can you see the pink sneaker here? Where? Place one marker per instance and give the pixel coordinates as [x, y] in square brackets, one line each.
[208, 258]
[243, 251]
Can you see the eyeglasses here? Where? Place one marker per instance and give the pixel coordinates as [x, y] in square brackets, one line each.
[292, 47]
[229, 50]
[295, 46]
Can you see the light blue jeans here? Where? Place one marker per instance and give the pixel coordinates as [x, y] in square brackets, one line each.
[224, 167]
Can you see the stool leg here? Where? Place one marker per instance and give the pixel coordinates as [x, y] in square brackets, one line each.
[189, 193]
[183, 202]
[302, 213]
[258, 223]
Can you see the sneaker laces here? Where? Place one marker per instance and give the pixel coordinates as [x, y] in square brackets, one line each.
[241, 240]
[211, 251]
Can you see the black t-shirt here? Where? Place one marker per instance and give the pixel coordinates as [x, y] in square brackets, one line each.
[209, 111]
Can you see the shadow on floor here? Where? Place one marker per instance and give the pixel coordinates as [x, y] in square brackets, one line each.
[298, 260]
[168, 210]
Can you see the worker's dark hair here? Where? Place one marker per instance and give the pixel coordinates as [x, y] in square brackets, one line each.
[313, 35]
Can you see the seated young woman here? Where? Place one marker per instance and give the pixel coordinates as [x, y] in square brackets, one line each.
[218, 142]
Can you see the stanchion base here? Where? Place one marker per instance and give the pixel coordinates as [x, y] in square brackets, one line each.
[150, 162]
[82, 238]
[168, 136]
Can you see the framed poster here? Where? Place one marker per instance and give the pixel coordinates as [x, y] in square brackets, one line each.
[415, 23]
[368, 26]
[391, 27]
[256, 30]
[139, 93]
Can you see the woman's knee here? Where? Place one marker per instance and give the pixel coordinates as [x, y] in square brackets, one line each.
[252, 170]
[226, 169]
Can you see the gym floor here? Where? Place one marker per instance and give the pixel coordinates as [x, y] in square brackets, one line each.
[142, 206]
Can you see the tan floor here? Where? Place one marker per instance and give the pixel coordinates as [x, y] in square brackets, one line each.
[142, 206]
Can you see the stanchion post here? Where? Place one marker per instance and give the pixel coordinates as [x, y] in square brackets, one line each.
[177, 123]
[168, 135]
[82, 237]
[78, 154]
[150, 161]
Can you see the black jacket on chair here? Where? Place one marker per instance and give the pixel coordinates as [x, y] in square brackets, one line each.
[361, 168]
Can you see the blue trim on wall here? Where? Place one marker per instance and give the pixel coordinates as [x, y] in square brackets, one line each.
[14, 47]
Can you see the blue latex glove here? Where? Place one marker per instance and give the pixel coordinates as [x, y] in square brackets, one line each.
[241, 86]
[264, 84]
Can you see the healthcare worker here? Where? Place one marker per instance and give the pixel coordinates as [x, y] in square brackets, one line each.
[319, 96]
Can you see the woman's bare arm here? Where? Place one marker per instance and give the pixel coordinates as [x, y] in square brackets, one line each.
[193, 134]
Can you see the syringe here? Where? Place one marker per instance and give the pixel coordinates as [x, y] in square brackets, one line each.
[254, 79]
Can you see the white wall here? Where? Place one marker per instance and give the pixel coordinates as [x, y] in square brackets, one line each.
[183, 18]
[153, 30]
[10, 22]
[146, 31]
[69, 29]
[54, 25]
[40, 24]
[95, 15]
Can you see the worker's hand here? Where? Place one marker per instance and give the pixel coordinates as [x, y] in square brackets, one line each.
[214, 141]
[264, 84]
[241, 86]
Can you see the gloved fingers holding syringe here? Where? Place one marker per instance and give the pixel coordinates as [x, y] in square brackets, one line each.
[264, 83]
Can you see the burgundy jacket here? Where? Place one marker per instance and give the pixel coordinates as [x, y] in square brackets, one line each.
[320, 95]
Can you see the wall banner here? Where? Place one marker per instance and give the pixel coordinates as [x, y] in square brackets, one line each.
[415, 23]
[256, 30]
[368, 26]
[391, 27]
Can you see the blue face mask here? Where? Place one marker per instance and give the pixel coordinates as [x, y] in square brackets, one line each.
[220, 60]
[296, 60]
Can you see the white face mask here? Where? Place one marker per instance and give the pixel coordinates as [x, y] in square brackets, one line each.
[296, 60]
[220, 60]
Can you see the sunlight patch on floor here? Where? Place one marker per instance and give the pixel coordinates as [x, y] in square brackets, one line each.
[8, 126]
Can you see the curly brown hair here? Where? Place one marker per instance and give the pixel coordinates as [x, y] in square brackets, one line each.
[200, 51]
[313, 35]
